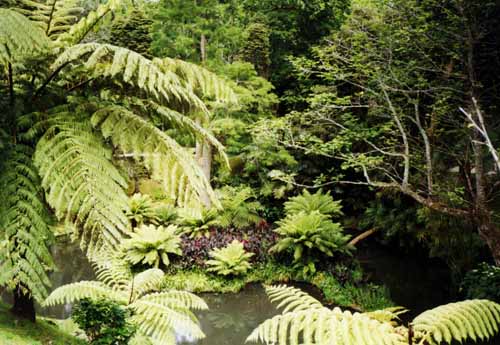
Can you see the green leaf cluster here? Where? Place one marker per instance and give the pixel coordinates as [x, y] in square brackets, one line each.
[150, 246]
[308, 230]
[230, 260]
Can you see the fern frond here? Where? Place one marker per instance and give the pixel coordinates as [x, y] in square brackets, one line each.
[147, 281]
[19, 36]
[24, 223]
[54, 17]
[80, 30]
[106, 60]
[184, 122]
[111, 269]
[174, 298]
[325, 327]
[291, 299]
[152, 147]
[160, 322]
[82, 184]
[471, 319]
[206, 83]
[71, 293]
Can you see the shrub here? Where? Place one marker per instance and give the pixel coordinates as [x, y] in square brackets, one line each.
[104, 322]
[483, 282]
[308, 234]
[150, 245]
[230, 260]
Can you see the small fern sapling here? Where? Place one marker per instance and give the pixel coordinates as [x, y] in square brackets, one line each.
[198, 223]
[150, 245]
[306, 320]
[230, 260]
[141, 210]
[307, 235]
[319, 201]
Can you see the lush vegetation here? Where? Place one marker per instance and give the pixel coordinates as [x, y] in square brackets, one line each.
[198, 146]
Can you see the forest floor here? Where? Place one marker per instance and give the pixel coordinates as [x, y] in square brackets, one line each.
[21, 332]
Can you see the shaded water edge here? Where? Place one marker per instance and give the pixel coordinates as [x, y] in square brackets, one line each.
[413, 283]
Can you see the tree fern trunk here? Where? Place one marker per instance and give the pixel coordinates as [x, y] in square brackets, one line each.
[24, 305]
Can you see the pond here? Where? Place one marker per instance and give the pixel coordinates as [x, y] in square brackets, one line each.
[412, 283]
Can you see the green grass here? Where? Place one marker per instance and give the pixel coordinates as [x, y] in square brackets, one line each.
[363, 297]
[21, 332]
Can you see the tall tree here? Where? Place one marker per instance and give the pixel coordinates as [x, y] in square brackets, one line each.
[385, 106]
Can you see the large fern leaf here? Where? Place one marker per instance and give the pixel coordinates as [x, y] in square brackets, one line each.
[151, 146]
[90, 22]
[207, 84]
[24, 224]
[106, 60]
[19, 36]
[325, 327]
[471, 319]
[54, 17]
[71, 293]
[291, 299]
[81, 183]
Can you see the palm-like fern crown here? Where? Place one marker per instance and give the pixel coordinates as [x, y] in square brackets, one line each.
[232, 259]
[151, 245]
[141, 209]
[310, 231]
[307, 202]
[304, 320]
[156, 314]
[78, 140]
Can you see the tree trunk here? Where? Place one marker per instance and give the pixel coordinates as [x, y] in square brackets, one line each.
[490, 234]
[24, 305]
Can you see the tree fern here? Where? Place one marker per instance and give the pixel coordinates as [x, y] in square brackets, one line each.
[156, 314]
[24, 225]
[54, 17]
[305, 321]
[81, 183]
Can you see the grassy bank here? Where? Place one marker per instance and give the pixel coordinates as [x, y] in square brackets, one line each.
[365, 297]
[21, 332]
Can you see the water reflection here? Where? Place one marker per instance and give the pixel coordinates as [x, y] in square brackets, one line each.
[232, 317]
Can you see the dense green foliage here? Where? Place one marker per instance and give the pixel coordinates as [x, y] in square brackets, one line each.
[252, 139]
[104, 322]
[482, 282]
